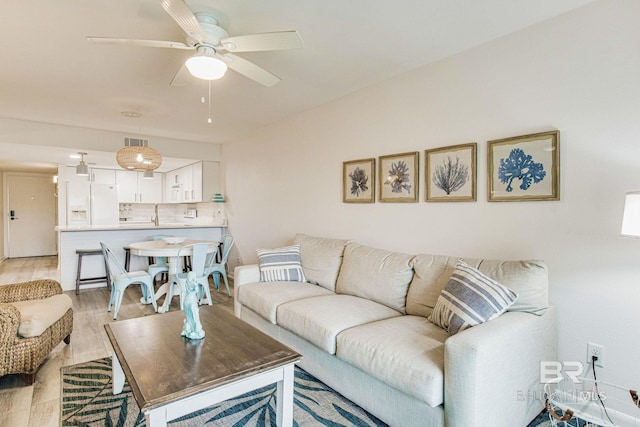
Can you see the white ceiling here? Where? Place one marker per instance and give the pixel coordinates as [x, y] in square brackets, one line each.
[50, 73]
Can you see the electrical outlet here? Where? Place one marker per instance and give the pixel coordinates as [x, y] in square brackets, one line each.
[595, 350]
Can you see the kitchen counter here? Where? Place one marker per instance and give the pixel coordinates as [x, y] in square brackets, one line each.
[117, 237]
[137, 226]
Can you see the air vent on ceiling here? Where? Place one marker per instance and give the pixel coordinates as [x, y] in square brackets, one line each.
[135, 142]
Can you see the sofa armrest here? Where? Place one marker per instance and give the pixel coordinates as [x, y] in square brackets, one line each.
[242, 275]
[34, 289]
[9, 323]
[492, 371]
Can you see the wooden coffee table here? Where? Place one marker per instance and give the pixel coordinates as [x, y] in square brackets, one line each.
[171, 376]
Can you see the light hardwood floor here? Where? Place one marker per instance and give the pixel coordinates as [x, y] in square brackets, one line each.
[38, 405]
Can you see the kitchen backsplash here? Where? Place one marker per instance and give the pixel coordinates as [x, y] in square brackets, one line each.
[206, 213]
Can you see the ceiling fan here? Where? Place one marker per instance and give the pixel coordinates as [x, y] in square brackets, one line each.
[212, 45]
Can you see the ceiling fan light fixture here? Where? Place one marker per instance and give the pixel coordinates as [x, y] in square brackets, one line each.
[206, 67]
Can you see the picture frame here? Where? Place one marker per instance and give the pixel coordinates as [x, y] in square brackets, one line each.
[398, 177]
[524, 168]
[358, 181]
[451, 173]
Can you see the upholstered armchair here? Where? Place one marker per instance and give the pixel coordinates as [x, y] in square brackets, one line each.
[35, 317]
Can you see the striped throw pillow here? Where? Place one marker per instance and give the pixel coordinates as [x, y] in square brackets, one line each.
[280, 264]
[470, 298]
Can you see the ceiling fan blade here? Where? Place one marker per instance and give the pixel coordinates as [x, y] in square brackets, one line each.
[185, 18]
[266, 41]
[182, 77]
[249, 69]
[137, 42]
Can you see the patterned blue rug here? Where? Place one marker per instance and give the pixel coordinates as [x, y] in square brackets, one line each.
[88, 401]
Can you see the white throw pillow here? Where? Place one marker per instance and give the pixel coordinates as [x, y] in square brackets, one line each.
[470, 298]
[280, 264]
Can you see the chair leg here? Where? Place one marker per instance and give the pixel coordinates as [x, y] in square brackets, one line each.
[150, 291]
[216, 280]
[205, 287]
[112, 300]
[226, 282]
[29, 379]
[118, 304]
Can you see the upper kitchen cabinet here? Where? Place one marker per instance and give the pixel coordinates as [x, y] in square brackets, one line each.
[133, 187]
[96, 175]
[102, 176]
[193, 183]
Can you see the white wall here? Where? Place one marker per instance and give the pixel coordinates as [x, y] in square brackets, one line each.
[578, 73]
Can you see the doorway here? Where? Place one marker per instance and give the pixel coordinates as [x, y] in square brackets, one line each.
[31, 215]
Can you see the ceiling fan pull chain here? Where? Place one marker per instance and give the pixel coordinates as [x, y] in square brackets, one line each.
[209, 121]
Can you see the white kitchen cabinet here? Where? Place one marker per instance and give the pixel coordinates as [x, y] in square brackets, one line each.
[134, 188]
[150, 189]
[193, 183]
[96, 175]
[103, 176]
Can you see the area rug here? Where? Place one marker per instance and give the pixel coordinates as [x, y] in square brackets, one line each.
[88, 401]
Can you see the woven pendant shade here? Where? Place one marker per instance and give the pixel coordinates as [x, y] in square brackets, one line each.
[140, 159]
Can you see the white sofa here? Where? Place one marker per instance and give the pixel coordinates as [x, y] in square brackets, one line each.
[361, 323]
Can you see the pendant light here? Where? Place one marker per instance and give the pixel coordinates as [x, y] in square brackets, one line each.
[82, 169]
[136, 154]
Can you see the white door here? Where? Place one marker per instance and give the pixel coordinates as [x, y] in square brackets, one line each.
[31, 206]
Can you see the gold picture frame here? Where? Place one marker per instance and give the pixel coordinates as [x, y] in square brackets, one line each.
[524, 168]
[398, 177]
[359, 181]
[450, 173]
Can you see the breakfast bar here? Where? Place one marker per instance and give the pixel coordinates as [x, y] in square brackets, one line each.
[117, 237]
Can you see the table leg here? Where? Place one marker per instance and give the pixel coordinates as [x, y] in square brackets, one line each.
[174, 265]
[284, 398]
[117, 375]
[156, 417]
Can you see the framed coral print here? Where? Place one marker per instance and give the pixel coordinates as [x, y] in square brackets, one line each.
[358, 181]
[398, 175]
[524, 168]
[450, 173]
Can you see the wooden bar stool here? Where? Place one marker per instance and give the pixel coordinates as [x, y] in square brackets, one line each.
[87, 280]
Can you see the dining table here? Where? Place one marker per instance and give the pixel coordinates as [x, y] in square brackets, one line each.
[173, 252]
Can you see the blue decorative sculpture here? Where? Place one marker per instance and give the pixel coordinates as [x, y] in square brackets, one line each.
[192, 327]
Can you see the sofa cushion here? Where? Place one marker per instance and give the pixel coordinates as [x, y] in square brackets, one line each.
[470, 298]
[431, 273]
[38, 314]
[375, 274]
[280, 264]
[527, 278]
[265, 297]
[321, 259]
[406, 352]
[320, 319]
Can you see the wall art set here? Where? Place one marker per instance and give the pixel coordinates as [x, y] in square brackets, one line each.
[522, 168]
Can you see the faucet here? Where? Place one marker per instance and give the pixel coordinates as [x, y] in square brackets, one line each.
[156, 219]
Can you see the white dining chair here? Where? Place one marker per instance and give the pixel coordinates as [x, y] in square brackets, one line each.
[200, 262]
[220, 269]
[121, 279]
